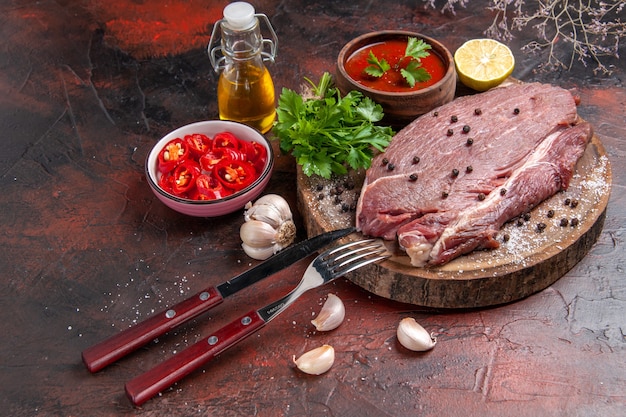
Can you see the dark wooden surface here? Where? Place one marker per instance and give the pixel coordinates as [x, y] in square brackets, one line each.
[87, 87]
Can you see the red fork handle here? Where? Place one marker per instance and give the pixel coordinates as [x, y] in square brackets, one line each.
[110, 350]
[145, 386]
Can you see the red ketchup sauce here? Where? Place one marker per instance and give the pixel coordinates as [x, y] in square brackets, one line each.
[392, 81]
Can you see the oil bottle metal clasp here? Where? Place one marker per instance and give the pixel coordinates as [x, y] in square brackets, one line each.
[215, 49]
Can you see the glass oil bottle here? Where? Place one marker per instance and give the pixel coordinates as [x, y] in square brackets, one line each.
[245, 90]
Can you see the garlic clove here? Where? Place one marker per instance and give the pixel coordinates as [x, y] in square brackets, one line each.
[257, 234]
[413, 336]
[268, 227]
[331, 315]
[278, 202]
[316, 361]
[265, 213]
[260, 254]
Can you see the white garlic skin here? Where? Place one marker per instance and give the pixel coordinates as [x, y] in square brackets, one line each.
[316, 361]
[275, 202]
[258, 253]
[331, 315]
[268, 227]
[257, 234]
[413, 336]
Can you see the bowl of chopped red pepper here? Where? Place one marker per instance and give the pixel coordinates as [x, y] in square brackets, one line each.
[210, 168]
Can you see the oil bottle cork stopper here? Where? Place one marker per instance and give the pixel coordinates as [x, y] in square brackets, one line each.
[239, 15]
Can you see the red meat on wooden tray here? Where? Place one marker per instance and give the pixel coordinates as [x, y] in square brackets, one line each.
[453, 177]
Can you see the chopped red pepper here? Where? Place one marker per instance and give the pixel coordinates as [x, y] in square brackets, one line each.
[173, 153]
[209, 188]
[200, 168]
[165, 182]
[198, 143]
[256, 154]
[226, 140]
[211, 158]
[185, 176]
[235, 175]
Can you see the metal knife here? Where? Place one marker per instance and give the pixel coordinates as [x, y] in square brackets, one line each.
[110, 350]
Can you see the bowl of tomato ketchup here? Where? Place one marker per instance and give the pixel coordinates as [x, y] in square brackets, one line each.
[209, 168]
[407, 73]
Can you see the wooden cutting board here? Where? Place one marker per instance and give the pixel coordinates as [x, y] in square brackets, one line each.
[527, 262]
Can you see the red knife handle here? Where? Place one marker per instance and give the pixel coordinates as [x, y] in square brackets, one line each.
[108, 351]
[145, 386]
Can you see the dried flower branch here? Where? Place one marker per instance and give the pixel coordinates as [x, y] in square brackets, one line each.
[592, 27]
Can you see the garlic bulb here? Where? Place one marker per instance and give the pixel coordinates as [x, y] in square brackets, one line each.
[316, 361]
[332, 314]
[268, 227]
[413, 336]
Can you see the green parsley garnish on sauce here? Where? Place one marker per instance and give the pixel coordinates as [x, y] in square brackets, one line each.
[416, 49]
[329, 133]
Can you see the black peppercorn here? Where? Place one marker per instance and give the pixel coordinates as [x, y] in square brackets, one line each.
[469, 142]
[385, 161]
[574, 203]
[481, 196]
[526, 216]
[541, 227]
[564, 222]
[454, 119]
[478, 112]
[444, 194]
[466, 129]
[391, 167]
[516, 111]
[550, 214]
[505, 237]
[502, 191]
[319, 187]
[567, 201]
[413, 177]
[469, 168]
[455, 172]
[416, 159]
[435, 114]
[574, 222]
[450, 132]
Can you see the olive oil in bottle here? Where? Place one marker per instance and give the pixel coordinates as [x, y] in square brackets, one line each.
[246, 94]
[245, 90]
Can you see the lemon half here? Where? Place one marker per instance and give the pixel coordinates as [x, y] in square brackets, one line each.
[483, 63]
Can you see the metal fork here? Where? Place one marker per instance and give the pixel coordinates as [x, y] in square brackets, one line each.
[328, 266]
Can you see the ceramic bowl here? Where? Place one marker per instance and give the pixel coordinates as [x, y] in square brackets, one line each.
[210, 208]
[400, 108]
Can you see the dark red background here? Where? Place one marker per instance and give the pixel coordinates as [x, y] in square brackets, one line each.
[86, 88]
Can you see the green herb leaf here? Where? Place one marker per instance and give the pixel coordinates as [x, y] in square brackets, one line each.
[414, 72]
[329, 133]
[377, 67]
[417, 48]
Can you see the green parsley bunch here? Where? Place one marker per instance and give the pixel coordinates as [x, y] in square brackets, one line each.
[329, 133]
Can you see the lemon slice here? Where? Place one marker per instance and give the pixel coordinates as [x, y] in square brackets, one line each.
[483, 63]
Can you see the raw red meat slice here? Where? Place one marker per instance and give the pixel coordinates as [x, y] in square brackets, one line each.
[523, 138]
